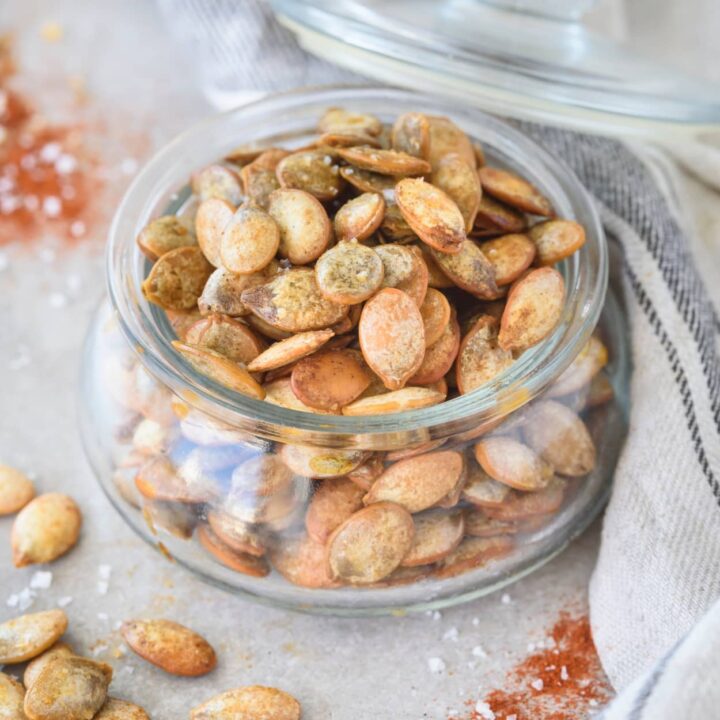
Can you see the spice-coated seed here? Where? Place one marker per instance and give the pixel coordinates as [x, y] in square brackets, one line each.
[411, 134]
[446, 138]
[303, 562]
[115, 709]
[497, 218]
[408, 398]
[280, 392]
[459, 180]
[223, 290]
[261, 475]
[472, 553]
[521, 506]
[249, 241]
[164, 234]
[238, 561]
[349, 273]
[212, 217]
[440, 356]
[259, 183]
[218, 181]
[337, 119]
[319, 462]
[435, 311]
[469, 269]
[481, 490]
[36, 666]
[366, 180]
[404, 269]
[437, 534]
[334, 502]
[289, 350]
[226, 336]
[239, 536]
[177, 279]
[480, 359]
[510, 255]
[254, 702]
[360, 217]
[12, 695]
[26, 636]
[16, 490]
[385, 162]
[557, 239]
[312, 171]
[511, 462]
[515, 191]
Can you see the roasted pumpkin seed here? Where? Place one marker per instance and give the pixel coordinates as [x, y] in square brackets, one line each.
[280, 392]
[289, 350]
[478, 524]
[223, 290]
[46, 528]
[446, 138]
[459, 180]
[177, 279]
[557, 239]
[509, 255]
[481, 490]
[241, 562]
[586, 365]
[408, 398]
[384, 162]
[218, 181]
[249, 241]
[521, 506]
[259, 183]
[515, 191]
[26, 636]
[321, 463]
[226, 336]
[249, 703]
[435, 311]
[159, 479]
[349, 273]
[360, 217]
[480, 359]
[337, 119]
[411, 135]
[367, 181]
[469, 269]
[437, 534]
[440, 356]
[16, 490]
[495, 217]
[312, 171]
[115, 709]
[237, 535]
[212, 217]
[511, 462]
[303, 562]
[36, 666]
[404, 269]
[472, 553]
[163, 234]
[12, 695]
[334, 502]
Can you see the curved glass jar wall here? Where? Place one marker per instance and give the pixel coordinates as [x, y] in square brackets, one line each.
[239, 475]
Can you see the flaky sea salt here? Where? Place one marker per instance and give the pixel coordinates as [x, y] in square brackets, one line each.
[65, 164]
[451, 634]
[50, 152]
[436, 665]
[41, 580]
[22, 600]
[57, 300]
[102, 587]
[537, 684]
[484, 711]
[52, 206]
[434, 614]
[564, 675]
[104, 571]
[505, 599]
[64, 601]
[478, 651]
[77, 228]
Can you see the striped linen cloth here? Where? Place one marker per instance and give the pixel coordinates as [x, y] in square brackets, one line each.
[652, 596]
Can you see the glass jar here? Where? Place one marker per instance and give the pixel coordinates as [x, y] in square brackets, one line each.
[237, 475]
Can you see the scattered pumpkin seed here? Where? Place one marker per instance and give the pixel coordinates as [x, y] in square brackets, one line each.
[12, 695]
[115, 709]
[254, 702]
[27, 636]
[36, 665]
[16, 490]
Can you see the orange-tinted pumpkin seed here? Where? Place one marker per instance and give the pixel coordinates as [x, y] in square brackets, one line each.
[223, 289]
[411, 135]
[511, 462]
[27, 636]
[586, 365]
[249, 241]
[481, 490]
[515, 191]
[440, 356]
[521, 506]
[249, 703]
[226, 336]
[480, 359]
[212, 217]
[496, 217]
[367, 181]
[312, 171]
[337, 119]
[472, 553]
[289, 350]
[437, 534]
[435, 311]
[556, 240]
[237, 535]
[510, 256]
[459, 180]
[446, 138]
[360, 217]
[164, 234]
[218, 181]
[241, 562]
[303, 562]
[408, 398]
[384, 162]
[321, 463]
[469, 269]
[16, 490]
[404, 269]
[334, 502]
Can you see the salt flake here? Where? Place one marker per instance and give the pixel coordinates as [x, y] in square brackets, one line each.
[41, 580]
[104, 571]
[436, 665]
[537, 684]
[64, 601]
[52, 206]
[564, 675]
[451, 634]
[57, 300]
[505, 599]
[102, 587]
[483, 709]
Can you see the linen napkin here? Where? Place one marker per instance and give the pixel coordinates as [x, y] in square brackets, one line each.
[658, 571]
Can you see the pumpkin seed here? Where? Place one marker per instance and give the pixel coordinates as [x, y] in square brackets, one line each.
[497, 217]
[515, 191]
[511, 462]
[479, 358]
[392, 336]
[394, 227]
[413, 450]
[436, 277]
[280, 392]
[435, 312]
[249, 241]
[312, 171]
[292, 302]
[533, 309]
[203, 429]
[370, 544]
[259, 183]
[408, 398]
[26, 636]
[437, 534]
[287, 351]
[164, 234]
[46, 528]
[432, 215]
[38, 664]
[245, 153]
[446, 138]
[478, 524]
[241, 562]
[440, 356]
[223, 290]
[346, 138]
[586, 365]
[473, 553]
[360, 217]
[557, 239]
[237, 535]
[510, 256]
[305, 229]
[182, 320]
[366, 474]
[12, 695]
[329, 380]
[469, 269]
[68, 687]
[367, 181]
[218, 181]
[251, 507]
[561, 438]
[349, 273]
[115, 709]
[411, 135]
[152, 438]
[220, 369]
[334, 502]
[459, 180]
[16, 490]
[177, 279]
[385, 162]
[479, 154]
[321, 463]
[254, 702]
[481, 490]
[170, 646]
[264, 328]
[226, 336]
[417, 483]
[262, 475]
[303, 562]
[212, 217]
[337, 119]
[404, 269]
[521, 506]
[159, 479]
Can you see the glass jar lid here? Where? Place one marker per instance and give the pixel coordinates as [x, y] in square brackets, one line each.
[506, 58]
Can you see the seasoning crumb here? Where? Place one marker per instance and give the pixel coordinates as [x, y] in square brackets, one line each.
[436, 665]
[41, 580]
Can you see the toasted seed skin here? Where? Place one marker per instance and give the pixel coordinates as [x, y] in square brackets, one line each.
[404, 269]
[440, 356]
[329, 380]
[217, 181]
[334, 502]
[234, 559]
[164, 234]
[474, 552]
[170, 646]
[220, 369]
[417, 483]
[458, 179]
[510, 255]
[481, 490]
[515, 191]
[394, 227]
[212, 217]
[223, 290]
[69, 687]
[360, 217]
[385, 162]
[433, 215]
[177, 279]
[556, 433]
[289, 350]
[26, 636]
[557, 239]
[293, 302]
[498, 217]
[249, 241]
[279, 392]
[115, 709]
[437, 534]
[37, 664]
[370, 544]
[435, 311]
[511, 462]
[392, 336]
[46, 528]
[259, 182]
[533, 309]
[254, 702]
[349, 273]
[407, 398]
[305, 229]
[469, 269]
[12, 694]
[226, 336]
[16, 490]
[311, 171]
[411, 135]
[479, 358]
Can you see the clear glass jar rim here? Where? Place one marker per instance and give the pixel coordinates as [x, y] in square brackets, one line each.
[290, 113]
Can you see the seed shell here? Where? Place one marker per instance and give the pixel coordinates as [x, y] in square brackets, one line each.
[115, 709]
[26, 636]
[237, 535]
[37, 664]
[212, 217]
[177, 279]
[481, 490]
[367, 181]
[334, 502]
[521, 506]
[404, 269]
[472, 553]
[479, 358]
[12, 695]
[435, 311]
[254, 702]
[223, 290]
[241, 562]
[289, 350]
[312, 171]
[411, 135]
[337, 119]
[440, 356]
[446, 138]
[469, 269]
[226, 336]
[496, 217]
[303, 562]
[16, 490]
[408, 398]
[515, 191]
[557, 239]
[218, 181]
[321, 463]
